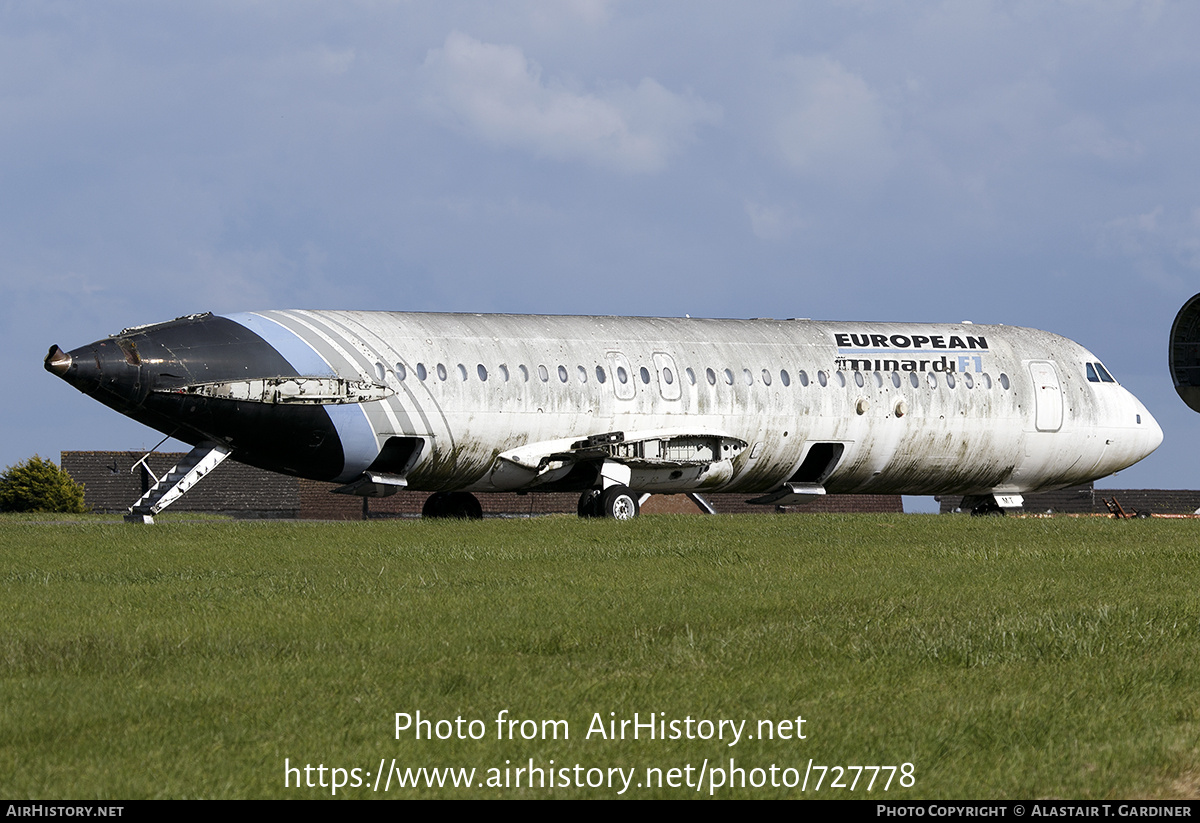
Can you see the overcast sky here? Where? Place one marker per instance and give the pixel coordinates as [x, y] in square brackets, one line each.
[1023, 163]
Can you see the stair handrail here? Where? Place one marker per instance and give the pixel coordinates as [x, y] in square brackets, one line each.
[142, 462]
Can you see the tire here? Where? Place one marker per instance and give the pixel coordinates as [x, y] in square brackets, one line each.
[619, 503]
[589, 503]
[460, 505]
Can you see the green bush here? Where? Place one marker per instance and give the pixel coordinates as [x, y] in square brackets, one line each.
[37, 485]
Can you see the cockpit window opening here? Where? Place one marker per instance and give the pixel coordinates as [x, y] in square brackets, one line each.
[1091, 373]
[1105, 377]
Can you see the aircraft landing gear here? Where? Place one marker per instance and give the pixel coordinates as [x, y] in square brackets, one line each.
[451, 505]
[589, 503]
[616, 502]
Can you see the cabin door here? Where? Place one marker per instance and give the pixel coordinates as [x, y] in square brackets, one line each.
[1047, 396]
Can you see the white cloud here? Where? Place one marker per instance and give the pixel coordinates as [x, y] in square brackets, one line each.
[831, 124]
[773, 222]
[495, 92]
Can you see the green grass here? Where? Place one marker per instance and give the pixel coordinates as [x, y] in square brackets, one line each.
[1004, 658]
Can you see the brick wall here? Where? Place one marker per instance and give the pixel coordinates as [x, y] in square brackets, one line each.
[1088, 500]
[112, 484]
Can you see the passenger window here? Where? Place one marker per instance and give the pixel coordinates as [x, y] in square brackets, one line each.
[841, 379]
[524, 372]
[482, 372]
[746, 373]
[896, 379]
[668, 378]
[858, 379]
[879, 380]
[600, 376]
[441, 372]
[784, 377]
[804, 378]
[544, 374]
[766, 378]
[1091, 374]
[913, 380]
[728, 377]
[380, 372]
[1004, 384]
[950, 379]
[691, 375]
[932, 380]
[968, 381]
[401, 372]
[621, 374]
[712, 377]
[562, 373]
[822, 378]
[504, 372]
[582, 374]
[645, 375]
[421, 373]
[462, 371]
[987, 380]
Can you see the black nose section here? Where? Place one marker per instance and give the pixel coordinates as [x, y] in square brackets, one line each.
[108, 370]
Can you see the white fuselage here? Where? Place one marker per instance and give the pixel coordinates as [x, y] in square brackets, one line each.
[498, 400]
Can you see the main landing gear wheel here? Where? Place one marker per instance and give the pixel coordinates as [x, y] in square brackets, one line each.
[619, 503]
[452, 505]
[589, 503]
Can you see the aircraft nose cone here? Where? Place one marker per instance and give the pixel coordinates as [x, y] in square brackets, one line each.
[1154, 432]
[57, 361]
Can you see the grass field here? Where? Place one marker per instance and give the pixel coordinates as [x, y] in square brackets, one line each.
[1001, 657]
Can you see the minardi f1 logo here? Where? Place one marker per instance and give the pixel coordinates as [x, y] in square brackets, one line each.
[943, 352]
